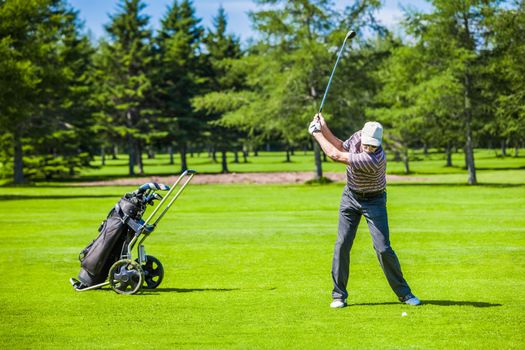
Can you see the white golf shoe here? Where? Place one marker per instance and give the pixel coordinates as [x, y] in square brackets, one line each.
[338, 303]
[414, 301]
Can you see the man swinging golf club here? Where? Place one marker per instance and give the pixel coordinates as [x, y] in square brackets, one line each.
[364, 195]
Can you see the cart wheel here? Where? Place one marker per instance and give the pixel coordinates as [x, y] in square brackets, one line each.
[126, 277]
[153, 272]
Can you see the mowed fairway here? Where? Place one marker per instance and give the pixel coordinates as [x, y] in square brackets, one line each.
[248, 267]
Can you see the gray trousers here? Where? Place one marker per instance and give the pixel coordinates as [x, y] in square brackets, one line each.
[374, 210]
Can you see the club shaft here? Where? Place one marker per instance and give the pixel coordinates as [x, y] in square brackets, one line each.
[332, 75]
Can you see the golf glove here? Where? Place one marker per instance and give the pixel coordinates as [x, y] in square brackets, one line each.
[315, 126]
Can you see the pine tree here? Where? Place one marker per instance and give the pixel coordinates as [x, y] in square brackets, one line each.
[178, 76]
[125, 78]
[221, 49]
[42, 56]
[506, 69]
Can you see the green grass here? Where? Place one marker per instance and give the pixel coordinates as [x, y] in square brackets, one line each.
[248, 267]
[420, 164]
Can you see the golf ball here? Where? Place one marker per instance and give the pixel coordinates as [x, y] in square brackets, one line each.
[404, 314]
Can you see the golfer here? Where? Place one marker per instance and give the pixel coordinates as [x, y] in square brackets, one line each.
[364, 195]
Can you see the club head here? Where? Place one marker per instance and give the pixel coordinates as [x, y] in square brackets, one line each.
[350, 34]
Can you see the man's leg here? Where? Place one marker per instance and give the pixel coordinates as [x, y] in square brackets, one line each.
[349, 219]
[376, 216]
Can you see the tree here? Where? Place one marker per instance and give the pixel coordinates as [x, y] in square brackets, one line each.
[42, 57]
[418, 101]
[447, 86]
[288, 68]
[506, 70]
[178, 76]
[125, 79]
[221, 50]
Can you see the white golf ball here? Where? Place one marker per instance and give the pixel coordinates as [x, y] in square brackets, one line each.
[404, 314]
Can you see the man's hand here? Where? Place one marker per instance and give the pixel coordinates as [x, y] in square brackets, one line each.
[321, 120]
[315, 126]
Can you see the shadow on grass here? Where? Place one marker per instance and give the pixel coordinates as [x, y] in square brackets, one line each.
[188, 290]
[439, 303]
[459, 303]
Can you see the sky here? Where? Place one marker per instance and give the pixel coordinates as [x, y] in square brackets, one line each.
[95, 13]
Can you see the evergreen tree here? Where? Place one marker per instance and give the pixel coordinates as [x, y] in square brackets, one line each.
[506, 72]
[42, 58]
[221, 50]
[125, 81]
[178, 76]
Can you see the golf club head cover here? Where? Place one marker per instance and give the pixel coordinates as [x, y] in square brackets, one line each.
[153, 186]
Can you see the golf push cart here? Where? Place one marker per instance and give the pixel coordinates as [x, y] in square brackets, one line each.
[108, 259]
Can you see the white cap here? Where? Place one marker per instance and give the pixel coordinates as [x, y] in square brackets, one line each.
[372, 134]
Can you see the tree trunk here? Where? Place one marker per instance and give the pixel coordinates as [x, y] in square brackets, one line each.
[516, 151]
[406, 161]
[255, 152]
[103, 155]
[170, 152]
[140, 163]
[236, 156]
[448, 154]
[18, 159]
[325, 159]
[131, 151]
[151, 153]
[318, 164]
[425, 149]
[224, 163]
[469, 148]
[288, 160]
[504, 148]
[469, 156]
[245, 154]
[397, 156]
[114, 154]
[183, 162]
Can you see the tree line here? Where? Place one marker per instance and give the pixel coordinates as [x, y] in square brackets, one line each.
[454, 80]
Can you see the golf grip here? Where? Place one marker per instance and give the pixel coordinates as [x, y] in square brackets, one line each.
[349, 35]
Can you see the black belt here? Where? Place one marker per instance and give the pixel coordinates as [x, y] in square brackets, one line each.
[361, 194]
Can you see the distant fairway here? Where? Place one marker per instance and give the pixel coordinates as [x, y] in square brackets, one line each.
[248, 267]
[432, 164]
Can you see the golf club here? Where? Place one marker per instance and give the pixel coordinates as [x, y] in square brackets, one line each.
[349, 35]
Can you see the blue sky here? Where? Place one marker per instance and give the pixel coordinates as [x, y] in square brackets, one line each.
[95, 13]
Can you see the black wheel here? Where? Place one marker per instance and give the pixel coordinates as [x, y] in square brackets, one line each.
[153, 272]
[126, 277]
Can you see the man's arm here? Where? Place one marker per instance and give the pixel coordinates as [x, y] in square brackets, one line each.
[330, 149]
[327, 133]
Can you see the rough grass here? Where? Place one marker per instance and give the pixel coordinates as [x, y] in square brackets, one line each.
[248, 267]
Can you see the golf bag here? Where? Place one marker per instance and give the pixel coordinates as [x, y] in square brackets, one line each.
[114, 234]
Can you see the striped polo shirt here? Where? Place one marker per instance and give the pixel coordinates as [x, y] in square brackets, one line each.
[366, 172]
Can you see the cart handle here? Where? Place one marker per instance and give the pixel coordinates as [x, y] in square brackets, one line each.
[190, 174]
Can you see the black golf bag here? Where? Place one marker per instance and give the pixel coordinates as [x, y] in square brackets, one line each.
[114, 235]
